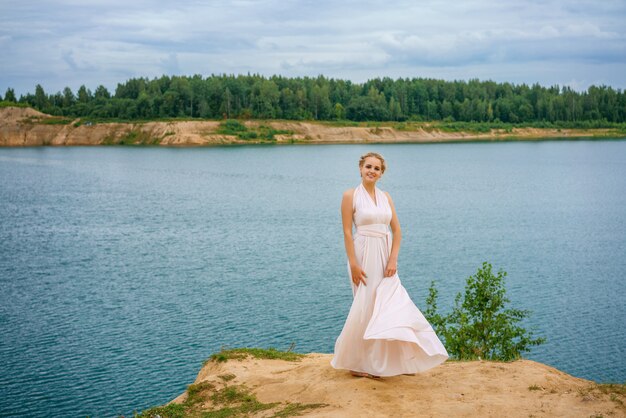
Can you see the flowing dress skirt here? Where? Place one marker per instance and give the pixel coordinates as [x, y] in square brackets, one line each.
[385, 334]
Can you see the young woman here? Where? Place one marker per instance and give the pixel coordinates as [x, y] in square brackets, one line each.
[385, 334]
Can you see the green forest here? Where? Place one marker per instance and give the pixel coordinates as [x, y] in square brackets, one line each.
[326, 99]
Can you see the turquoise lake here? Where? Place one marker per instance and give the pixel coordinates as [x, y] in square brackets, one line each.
[122, 269]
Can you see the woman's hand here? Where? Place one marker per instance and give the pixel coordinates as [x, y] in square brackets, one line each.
[392, 267]
[358, 275]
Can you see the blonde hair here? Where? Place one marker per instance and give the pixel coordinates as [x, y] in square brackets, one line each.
[383, 166]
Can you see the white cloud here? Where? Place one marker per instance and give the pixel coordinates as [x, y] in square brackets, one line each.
[70, 42]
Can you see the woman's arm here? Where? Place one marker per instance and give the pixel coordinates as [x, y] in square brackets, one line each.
[358, 275]
[392, 264]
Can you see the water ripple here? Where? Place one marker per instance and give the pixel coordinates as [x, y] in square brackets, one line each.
[122, 270]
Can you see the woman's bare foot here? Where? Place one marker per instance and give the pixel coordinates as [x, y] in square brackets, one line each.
[363, 374]
[358, 374]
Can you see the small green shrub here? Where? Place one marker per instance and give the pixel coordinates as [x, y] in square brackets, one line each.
[480, 326]
[268, 133]
[248, 135]
[263, 132]
[231, 127]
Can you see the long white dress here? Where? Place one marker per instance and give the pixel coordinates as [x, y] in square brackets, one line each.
[385, 334]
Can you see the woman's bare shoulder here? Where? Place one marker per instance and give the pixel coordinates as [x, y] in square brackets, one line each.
[348, 195]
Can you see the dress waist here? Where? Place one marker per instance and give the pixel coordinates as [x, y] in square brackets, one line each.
[373, 230]
[376, 231]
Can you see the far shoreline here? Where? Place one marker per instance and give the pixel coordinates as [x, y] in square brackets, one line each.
[26, 127]
[318, 143]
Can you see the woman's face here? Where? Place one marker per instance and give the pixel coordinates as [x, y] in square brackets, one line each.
[371, 170]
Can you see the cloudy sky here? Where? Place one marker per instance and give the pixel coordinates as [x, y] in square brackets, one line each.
[60, 43]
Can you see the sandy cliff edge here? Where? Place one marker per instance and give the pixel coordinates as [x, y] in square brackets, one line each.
[28, 127]
[522, 388]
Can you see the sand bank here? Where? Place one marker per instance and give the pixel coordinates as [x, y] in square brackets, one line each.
[521, 388]
[28, 127]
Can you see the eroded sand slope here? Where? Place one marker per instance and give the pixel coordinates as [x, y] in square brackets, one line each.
[522, 388]
[28, 127]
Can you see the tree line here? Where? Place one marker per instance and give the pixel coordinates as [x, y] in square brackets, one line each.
[322, 98]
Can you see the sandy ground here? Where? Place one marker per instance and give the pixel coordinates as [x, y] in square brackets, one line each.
[28, 127]
[522, 388]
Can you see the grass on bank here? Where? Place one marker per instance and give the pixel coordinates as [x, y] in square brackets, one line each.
[134, 136]
[261, 132]
[220, 399]
[52, 120]
[206, 401]
[138, 137]
[234, 126]
[5, 103]
[261, 353]
[475, 127]
[616, 392]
